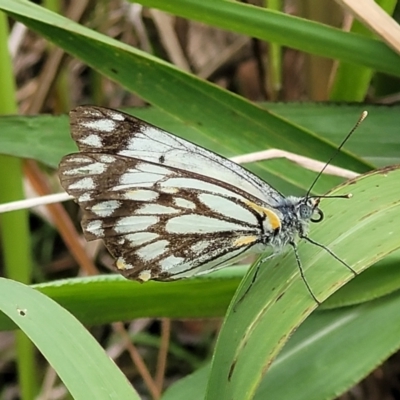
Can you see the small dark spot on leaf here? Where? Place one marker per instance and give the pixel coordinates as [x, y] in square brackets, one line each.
[231, 369]
[114, 70]
[279, 297]
[161, 160]
[21, 312]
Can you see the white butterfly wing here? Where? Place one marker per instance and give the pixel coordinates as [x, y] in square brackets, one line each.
[112, 132]
[158, 220]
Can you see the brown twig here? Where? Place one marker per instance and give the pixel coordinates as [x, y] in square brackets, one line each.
[163, 352]
[138, 361]
[60, 218]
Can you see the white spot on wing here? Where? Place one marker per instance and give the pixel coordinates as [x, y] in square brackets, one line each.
[191, 183]
[84, 197]
[170, 262]
[89, 169]
[91, 140]
[145, 275]
[140, 195]
[106, 208]
[228, 207]
[138, 179]
[183, 203]
[85, 183]
[76, 159]
[135, 223]
[121, 264]
[199, 247]
[194, 223]
[139, 238]
[141, 147]
[169, 190]
[227, 259]
[152, 250]
[95, 228]
[91, 111]
[154, 169]
[116, 116]
[156, 209]
[186, 270]
[143, 142]
[106, 158]
[100, 125]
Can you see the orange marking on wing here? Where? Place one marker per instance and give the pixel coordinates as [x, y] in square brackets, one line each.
[242, 241]
[272, 217]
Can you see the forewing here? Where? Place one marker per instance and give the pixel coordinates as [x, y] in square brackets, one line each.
[98, 129]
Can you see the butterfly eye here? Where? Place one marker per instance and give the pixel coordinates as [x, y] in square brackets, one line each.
[305, 211]
[320, 215]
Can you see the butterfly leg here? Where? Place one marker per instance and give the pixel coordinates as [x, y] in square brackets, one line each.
[260, 261]
[328, 250]
[303, 277]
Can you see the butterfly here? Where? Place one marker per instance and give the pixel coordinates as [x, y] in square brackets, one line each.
[168, 209]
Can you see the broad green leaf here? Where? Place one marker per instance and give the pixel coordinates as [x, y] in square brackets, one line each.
[377, 140]
[333, 350]
[123, 300]
[118, 298]
[78, 359]
[193, 386]
[360, 233]
[324, 358]
[379, 280]
[44, 138]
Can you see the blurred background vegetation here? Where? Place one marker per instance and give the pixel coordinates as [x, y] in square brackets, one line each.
[237, 78]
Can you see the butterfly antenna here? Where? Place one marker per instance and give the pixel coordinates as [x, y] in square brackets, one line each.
[360, 119]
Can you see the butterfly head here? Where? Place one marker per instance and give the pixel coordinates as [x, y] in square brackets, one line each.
[308, 209]
[297, 213]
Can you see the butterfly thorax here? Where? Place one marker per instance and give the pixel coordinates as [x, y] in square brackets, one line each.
[296, 214]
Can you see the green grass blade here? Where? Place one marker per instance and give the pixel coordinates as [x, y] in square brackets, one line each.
[377, 140]
[324, 358]
[333, 350]
[286, 30]
[351, 81]
[80, 362]
[14, 227]
[123, 300]
[379, 280]
[255, 330]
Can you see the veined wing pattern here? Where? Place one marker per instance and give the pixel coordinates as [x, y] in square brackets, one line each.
[165, 208]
